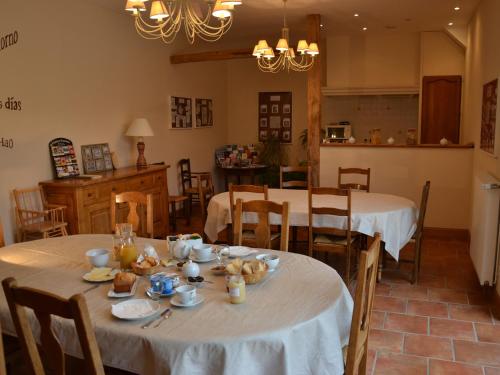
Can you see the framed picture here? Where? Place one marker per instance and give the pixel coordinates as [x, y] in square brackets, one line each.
[204, 113]
[63, 158]
[96, 158]
[181, 113]
[275, 116]
[489, 116]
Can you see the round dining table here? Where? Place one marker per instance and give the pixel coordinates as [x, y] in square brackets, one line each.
[394, 217]
[295, 321]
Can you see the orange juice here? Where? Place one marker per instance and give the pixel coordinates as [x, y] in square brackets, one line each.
[128, 254]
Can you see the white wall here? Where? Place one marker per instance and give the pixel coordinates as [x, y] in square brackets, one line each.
[403, 171]
[83, 73]
[373, 60]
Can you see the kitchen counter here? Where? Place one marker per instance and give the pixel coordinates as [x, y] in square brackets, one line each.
[386, 145]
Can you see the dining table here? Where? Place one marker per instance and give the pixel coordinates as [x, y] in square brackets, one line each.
[294, 321]
[394, 217]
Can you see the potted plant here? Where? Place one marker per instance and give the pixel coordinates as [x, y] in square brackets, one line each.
[272, 154]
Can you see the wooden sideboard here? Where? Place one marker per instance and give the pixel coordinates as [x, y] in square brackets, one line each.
[88, 200]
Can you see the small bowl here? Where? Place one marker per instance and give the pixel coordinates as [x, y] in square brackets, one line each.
[271, 260]
[98, 257]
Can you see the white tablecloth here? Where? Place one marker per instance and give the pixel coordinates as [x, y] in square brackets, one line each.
[294, 322]
[395, 218]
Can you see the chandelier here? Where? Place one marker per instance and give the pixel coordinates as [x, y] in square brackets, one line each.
[286, 60]
[167, 18]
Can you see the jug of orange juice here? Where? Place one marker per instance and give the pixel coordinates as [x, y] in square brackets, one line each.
[128, 251]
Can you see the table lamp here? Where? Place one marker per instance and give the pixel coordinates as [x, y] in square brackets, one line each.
[140, 128]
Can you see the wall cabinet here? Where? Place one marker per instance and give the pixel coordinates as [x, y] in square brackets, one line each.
[88, 202]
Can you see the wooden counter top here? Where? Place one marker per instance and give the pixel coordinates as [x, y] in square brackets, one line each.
[468, 145]
[106, 176]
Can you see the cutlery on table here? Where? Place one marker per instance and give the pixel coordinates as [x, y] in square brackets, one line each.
[148, 324]
[163, 318]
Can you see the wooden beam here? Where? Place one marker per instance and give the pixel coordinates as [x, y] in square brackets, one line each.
[242, 53]
[314, 101]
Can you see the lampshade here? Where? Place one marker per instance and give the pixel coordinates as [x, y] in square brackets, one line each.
[269, 53]
[256, 52]
[231, 2]
[282, 45]
[262, 46]
[135, 5]
[302, 46]
[139, 128]
[222, 10]
[158, 10]
[313, 49]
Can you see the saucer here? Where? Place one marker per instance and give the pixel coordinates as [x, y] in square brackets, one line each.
[150, 290]
[176, 301]
[195, 259]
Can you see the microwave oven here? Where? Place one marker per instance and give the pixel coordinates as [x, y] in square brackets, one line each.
[338, 132]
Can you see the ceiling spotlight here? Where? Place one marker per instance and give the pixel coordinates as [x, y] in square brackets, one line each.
[365, 28]
[356, 15]
[457, 8]
[450, 23]
[321, 25]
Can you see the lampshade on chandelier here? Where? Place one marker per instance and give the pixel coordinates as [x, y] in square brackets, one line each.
[286, 60]
[167, 17]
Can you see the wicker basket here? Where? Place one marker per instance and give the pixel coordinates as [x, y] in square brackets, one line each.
[254, 278]
[144, 271]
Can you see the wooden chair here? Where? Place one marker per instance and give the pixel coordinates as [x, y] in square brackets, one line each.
[327, 239]
[172, 201]
[134, 199]
[201, 191]
[357, 351]
[418, 236]
[355, 186]
[2, 238]
[263, 227]
[36, 217]
[44, 306]
[293, 171]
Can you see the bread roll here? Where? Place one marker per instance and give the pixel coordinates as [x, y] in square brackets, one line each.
[123, 282]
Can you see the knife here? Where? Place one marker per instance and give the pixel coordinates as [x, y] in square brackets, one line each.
[148, 324]
[162, 319]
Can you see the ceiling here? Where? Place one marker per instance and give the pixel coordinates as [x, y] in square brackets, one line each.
[264, 18]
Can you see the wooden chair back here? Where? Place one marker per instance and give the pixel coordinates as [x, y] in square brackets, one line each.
[423, 207]
[2, 237]
[30, 205]
[294, 184]
[263, 228]
[355, 186]
[185, 172]
[44, 305]
[134, 199]
[256, 189]
[357, 351]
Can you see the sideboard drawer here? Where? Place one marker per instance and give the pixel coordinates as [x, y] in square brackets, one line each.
[90, 196]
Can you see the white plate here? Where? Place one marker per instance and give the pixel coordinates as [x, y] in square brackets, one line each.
[113, 294]
[108, 277]
[176, 301]
[150, 290]
[135, 309]
[240, 251]
[195, 259]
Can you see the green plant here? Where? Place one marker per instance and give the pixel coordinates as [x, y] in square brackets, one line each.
[303, 137]
[272, 154]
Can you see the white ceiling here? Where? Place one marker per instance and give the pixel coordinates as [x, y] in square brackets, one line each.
[263, 18]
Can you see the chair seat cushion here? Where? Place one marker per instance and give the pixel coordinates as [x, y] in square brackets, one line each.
[333, 240]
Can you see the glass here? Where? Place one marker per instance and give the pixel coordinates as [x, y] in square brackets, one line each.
[120, 230]
[222, 254]
[236, 288]
[128, 251]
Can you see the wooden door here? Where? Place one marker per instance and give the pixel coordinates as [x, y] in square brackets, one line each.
[441, 101]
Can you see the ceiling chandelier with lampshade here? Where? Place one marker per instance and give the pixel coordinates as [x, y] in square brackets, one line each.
[287, 59]
[167, 17]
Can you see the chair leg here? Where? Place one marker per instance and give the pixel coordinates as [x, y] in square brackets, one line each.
[416, 262]
[189, 209]
[294, 238]
[174, 216]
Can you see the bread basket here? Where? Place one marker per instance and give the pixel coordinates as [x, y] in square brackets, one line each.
[254, 278]
[141, 271]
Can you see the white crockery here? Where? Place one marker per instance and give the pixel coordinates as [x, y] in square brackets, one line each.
[190, 269]
[186, 294]
[202, 251]
[98, 257]
[271, 260]
[134, 309]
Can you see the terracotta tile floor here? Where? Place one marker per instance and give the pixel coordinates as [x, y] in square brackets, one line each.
[440, 326]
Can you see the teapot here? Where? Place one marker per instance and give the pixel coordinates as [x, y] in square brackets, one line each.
[181, 249]
[190, 269]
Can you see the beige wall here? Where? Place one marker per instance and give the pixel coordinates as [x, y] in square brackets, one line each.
[85, 74]
[482, 65]
[373, 60]
[244, 82]
[403, 171]
[440, 55]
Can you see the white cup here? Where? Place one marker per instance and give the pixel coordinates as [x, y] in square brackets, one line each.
[202, 251]
[272, 261]
[187, 294]
[98, 257]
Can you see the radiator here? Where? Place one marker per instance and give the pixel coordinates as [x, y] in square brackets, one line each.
[484, 245]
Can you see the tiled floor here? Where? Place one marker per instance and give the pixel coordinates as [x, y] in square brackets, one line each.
[440, 326]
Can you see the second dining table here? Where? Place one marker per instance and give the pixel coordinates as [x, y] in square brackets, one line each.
[394, 217]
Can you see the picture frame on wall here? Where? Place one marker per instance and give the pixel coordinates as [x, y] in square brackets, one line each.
[275, 116]
[203, 113]
[181, 112]
[489, 117]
